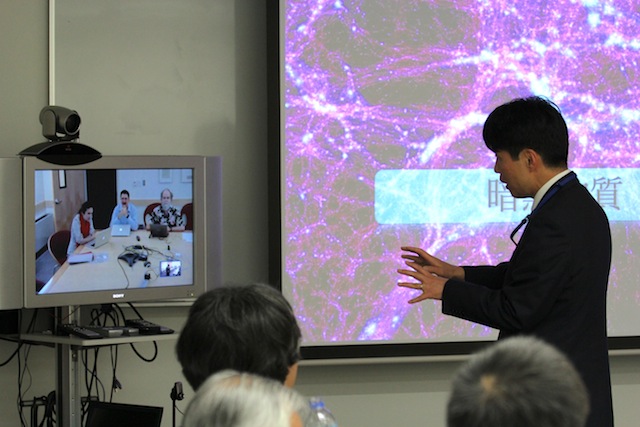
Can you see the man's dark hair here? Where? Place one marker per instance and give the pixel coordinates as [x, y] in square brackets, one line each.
[248, 328]
[534, 123]
[125, 192]
[520, 381]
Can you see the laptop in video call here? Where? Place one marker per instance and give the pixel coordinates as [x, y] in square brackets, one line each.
[119, 230]
[159, 230]
[102, 238]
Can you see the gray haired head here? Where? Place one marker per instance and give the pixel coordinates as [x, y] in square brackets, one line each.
[233, 399]
[520, 381]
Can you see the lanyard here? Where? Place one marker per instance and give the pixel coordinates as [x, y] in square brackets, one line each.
[554, 189]
[548, 195]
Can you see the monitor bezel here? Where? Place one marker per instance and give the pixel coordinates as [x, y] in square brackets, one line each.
[33, 300]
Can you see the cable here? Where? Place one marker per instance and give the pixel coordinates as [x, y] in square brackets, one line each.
[22, 371]
[155, 344]
[135, 310]
[49, 410]
[15, 352]
[115, 383]
[119, 309]
[66, 318]
[18, 340]
[155, 354]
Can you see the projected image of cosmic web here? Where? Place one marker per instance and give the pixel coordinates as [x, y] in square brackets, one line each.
[383, 104]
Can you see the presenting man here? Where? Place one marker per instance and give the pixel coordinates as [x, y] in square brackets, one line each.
[554, 286]
[125, 212]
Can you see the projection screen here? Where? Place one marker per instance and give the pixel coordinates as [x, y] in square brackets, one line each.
[381, 111]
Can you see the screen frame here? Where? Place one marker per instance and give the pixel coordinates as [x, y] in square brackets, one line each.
[368, 350]
[197, 163]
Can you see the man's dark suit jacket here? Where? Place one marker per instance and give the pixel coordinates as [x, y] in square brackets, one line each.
[554, 287]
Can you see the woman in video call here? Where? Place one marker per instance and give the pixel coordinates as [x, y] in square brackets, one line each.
[82, 231]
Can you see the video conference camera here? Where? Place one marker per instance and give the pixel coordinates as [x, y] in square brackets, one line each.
[60, 123]
[61, 127]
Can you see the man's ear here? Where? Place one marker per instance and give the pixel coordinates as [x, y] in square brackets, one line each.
[531, 158]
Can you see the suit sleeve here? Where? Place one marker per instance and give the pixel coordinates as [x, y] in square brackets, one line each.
[514, 296]
[488, 276]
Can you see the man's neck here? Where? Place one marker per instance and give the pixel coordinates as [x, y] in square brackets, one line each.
[561, 172]
[545, 174]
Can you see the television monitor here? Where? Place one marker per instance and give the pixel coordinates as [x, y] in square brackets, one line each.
[128, 267]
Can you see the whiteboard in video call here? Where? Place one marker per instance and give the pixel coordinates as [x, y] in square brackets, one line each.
[383, 104]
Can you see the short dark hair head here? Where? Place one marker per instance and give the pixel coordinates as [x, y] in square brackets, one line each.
[520, 381]
[125, 192]
[249, 328]
[534, 123]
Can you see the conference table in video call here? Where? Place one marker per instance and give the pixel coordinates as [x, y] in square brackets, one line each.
[103, 270]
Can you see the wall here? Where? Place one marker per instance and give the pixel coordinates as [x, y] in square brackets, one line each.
[23, 92]
[411, 394]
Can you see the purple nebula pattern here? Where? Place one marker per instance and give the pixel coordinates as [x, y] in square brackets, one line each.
[377, 85]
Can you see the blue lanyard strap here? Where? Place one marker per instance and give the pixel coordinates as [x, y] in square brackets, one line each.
[549, 194]
[555, 188]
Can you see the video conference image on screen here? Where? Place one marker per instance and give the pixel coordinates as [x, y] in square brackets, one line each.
[113, 229]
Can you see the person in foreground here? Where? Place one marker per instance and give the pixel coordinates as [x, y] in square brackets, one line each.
[166, 213]
[125, 212]
[555, 284]
[520, 381]
[82, 231]
[234, 399]
[248, 328]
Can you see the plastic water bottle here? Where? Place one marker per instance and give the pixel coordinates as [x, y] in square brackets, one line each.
[320, 415]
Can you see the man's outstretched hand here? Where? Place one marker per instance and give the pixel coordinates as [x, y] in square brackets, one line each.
[430, 273]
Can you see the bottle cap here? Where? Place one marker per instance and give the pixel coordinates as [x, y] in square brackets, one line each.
[316, 402]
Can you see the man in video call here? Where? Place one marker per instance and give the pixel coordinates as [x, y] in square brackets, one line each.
[166, 213]
[125, 212]
[555, 284]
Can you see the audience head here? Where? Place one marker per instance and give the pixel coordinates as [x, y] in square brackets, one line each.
[520, 381]
[534, 123]
[234, 399]
[248, 328]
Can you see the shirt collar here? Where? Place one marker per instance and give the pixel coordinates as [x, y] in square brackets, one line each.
[543, 190]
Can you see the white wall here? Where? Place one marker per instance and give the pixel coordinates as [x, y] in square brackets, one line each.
[23, 92]
[404, 394]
